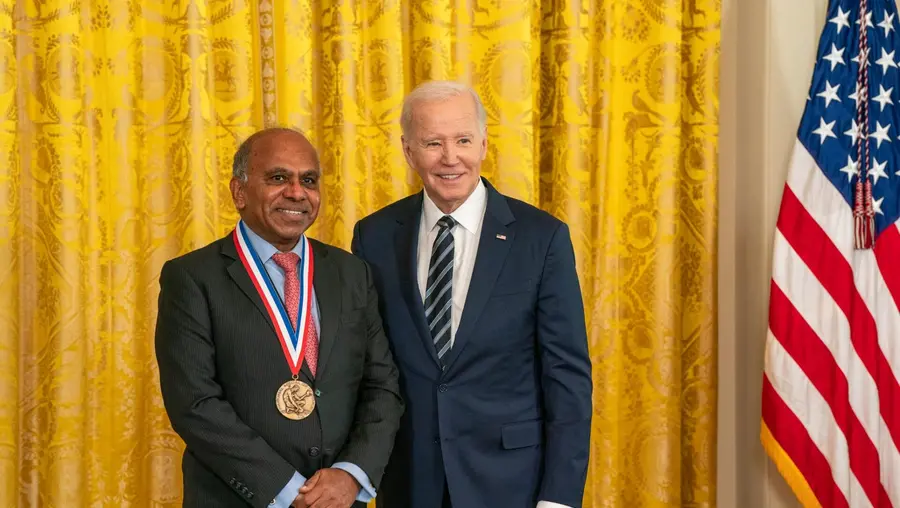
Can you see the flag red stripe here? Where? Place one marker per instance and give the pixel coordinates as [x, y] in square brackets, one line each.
[806, 348]
[887, 255]
[795, 441]
[835, 274]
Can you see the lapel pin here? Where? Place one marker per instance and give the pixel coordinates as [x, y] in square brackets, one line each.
[502, 237]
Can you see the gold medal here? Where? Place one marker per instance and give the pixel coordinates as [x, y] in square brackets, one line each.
[295, 400]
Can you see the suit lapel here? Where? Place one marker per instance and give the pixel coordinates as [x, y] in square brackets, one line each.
[327, 284]
[406, 243]
[242, 279]
[492, 252]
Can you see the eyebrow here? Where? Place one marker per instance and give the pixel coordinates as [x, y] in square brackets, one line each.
[303, 173]
[457, 135]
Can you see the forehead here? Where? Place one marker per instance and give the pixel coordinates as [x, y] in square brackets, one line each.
[449, 116]
[287, 150]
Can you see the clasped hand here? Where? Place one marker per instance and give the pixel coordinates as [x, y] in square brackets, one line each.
[328, 488]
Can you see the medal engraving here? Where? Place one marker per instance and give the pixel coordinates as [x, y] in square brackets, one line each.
[295, 400]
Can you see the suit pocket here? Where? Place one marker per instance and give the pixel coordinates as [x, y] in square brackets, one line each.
[512, 288]
[522, 434]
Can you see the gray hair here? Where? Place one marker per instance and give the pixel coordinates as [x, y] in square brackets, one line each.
[241, 162]
[434, 91]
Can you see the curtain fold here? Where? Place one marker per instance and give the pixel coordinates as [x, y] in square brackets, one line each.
[118, 120]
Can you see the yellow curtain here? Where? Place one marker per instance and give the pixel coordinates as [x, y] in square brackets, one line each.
[118, 119]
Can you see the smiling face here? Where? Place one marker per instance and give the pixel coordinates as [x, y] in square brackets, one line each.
[445, 147]
[280, 198]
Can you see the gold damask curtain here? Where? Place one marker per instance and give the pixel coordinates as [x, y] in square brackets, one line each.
[118, 119]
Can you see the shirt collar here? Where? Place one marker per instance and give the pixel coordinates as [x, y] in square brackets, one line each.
[264, 249]
[468, 215]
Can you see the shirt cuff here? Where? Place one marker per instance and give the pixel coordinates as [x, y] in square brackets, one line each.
[548, 504]
[367, 491]
[289, 492]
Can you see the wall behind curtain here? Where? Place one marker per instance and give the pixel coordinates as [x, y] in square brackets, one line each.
[118, 120]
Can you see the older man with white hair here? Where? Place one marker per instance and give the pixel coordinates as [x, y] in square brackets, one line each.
[482, 306]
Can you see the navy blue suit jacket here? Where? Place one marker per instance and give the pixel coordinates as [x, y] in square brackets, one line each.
[507, 423]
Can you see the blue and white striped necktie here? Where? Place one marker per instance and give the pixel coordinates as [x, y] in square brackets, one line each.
[439, 295]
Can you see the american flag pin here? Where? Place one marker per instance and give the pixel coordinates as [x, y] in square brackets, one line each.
[502, 237]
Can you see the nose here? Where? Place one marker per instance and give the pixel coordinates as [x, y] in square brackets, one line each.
[449, 155]
[295, 190]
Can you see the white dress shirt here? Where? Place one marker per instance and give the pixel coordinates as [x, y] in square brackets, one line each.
[469, 217]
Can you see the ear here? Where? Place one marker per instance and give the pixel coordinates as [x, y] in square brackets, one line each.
[237, 193]
[407, 151]
[484, 146]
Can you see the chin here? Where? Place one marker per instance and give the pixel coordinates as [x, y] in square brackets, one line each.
[456, 197]
[458, 190]
[460, 186]
[296, 232]
[292, 232]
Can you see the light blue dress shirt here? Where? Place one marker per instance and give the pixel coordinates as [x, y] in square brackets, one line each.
[265, 250]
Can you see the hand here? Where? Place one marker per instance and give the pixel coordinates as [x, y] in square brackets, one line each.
[299, 502]
[330, 488]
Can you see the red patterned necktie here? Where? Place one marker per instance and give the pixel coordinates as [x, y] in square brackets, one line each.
[288, 262]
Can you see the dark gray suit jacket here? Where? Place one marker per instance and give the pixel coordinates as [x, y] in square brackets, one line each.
[221, 363]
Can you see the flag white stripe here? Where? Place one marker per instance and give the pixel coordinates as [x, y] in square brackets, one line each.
[807, 404]
[830, 210]
[813, 302]
[874, 292]
[821, 199]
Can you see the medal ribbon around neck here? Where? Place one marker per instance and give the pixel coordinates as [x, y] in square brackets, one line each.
[291, 340]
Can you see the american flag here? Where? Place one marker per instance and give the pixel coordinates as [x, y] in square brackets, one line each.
[830, 394]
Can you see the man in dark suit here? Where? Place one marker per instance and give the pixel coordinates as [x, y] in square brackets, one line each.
[273, 363]
[482, 306]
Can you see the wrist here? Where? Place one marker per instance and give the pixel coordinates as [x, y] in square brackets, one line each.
[346, 474]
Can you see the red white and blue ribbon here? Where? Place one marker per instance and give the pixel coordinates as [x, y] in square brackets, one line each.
[291, 340]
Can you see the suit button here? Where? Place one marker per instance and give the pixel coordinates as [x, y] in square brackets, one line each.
[318, 393]
[249, 495]
[442, 388]
[314, 451]
[437, 441]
